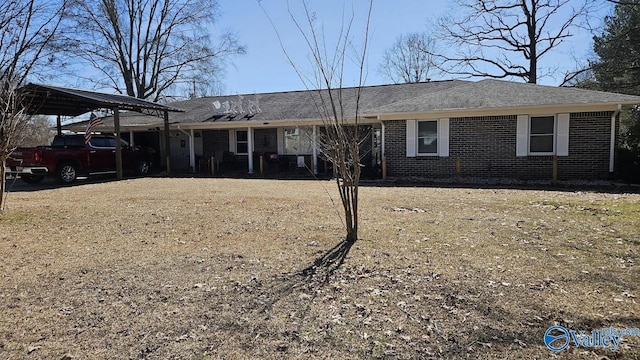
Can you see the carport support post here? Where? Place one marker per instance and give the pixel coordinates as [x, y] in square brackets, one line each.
[116, 125]
[59, 125]
[167, 140]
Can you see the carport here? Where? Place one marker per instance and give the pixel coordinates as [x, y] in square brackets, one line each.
[40, 99]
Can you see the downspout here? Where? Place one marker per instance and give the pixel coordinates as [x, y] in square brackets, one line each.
[192, 151]
[612, 149]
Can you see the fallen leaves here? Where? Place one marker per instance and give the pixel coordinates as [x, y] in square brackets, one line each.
[201, 268]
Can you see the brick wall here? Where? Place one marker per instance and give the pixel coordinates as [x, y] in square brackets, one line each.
[265, 140]
[589, 143]
[486, 147]
[214, 142]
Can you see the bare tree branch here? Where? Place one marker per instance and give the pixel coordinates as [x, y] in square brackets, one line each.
[490, 32]
[410, 59]
[144, 48]
[27, 30]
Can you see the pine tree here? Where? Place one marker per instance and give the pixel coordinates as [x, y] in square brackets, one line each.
[617, 69]
[618, 49]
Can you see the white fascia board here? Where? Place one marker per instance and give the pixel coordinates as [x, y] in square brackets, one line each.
[538, 110]
[266, 124]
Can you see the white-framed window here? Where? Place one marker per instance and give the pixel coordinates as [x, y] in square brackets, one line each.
[298, 141]
[242, 142]
[428, 137]
[542, 135]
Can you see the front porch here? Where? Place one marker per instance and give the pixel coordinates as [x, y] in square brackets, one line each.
[278, 152]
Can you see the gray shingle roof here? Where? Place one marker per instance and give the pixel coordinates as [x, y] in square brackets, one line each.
[301, 105]
[384, 99]
[497, 94]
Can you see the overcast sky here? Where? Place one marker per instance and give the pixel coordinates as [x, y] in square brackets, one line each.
[265, 67]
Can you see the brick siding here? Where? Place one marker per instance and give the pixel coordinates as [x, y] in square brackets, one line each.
[214, 141]
[265, 140]
[486, 147]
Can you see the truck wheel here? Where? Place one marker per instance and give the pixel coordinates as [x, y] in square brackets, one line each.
[31, 179]
[66, 173]
[143, 167]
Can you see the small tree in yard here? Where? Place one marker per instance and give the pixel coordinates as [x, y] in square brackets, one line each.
[27, 29]
[339, 109]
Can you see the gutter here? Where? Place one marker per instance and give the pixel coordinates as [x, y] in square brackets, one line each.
[612, 148]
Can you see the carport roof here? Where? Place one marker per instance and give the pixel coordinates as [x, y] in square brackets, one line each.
[55, 100]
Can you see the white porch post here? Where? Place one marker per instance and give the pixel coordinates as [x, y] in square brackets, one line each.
[315, 150]
[131, 140]
[192, 151]
[382, 139]
[250, 149]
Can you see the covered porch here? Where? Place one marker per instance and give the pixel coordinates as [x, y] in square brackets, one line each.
[279, 150]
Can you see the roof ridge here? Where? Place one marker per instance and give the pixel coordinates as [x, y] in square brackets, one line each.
[570, 88]
[335, 88]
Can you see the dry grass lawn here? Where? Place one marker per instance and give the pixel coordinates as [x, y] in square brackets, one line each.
[201, 269]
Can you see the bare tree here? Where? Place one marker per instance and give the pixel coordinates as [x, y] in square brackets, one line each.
[507, 38]
[145, 47]
[36, 130]
[410, 59]
[339, 109]
[27, 30]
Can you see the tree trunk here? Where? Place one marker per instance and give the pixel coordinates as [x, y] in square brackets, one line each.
[3, 181]
[533, 50]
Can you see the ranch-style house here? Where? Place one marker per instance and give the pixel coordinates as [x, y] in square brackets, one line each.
[432, 130]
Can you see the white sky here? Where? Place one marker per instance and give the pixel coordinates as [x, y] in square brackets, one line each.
[265, 67]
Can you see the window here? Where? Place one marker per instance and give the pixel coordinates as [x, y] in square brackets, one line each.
[68, 141]
[298, 141]
[98, 142]
[542, 134]
[242, 142]
[428, 137]
[102, 142]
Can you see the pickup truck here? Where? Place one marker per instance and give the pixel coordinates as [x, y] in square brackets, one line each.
[68, 156]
